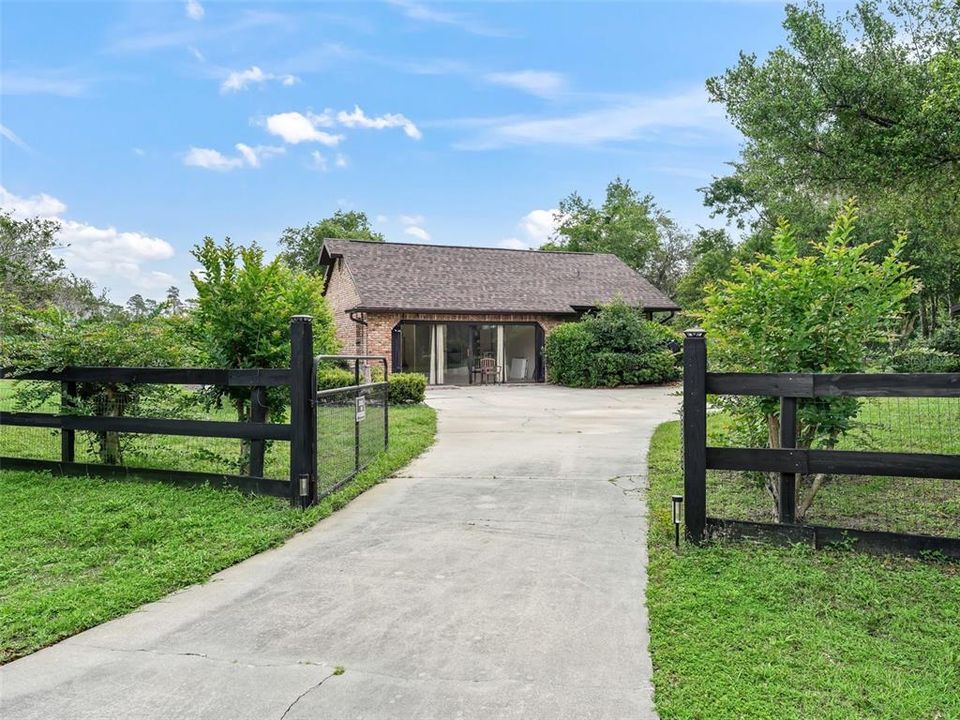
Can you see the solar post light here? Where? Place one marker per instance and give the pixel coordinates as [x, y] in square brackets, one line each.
[677, 503]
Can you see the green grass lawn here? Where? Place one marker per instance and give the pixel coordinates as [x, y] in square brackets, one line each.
[748, 631]
[76, 551]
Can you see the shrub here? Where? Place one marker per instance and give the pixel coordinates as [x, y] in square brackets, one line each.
[614, 347]
[947, 339]
[923, 359]
[569, 354]
[404, 388]
[334, 377]
[816, 313]
[407, 388]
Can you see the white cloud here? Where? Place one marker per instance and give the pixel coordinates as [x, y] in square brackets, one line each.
[25, 207]
[411, 219]
[417, 232]
[381, 219]
[425, 13]
[358, 118]
[341, 160]
[194, 10]
[253, 155]
[13, 137]
[139, 152]
[536, 82]
[684, 118]
[109, 257]
[241, 79]
[210, 159]
[197, 55]
[294, 128]
[537, 228]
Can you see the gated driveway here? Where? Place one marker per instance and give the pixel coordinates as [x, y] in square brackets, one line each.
[501, 575]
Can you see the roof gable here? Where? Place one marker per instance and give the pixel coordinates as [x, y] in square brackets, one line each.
[400, 276]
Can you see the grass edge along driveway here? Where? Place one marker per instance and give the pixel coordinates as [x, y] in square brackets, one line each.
[748, 631]
[78, 551]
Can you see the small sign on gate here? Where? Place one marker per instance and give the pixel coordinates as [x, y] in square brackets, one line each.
[361, 407]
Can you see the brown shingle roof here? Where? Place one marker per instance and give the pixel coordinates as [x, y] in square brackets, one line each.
[401, 276]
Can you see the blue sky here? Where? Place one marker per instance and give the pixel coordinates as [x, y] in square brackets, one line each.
[145, 126]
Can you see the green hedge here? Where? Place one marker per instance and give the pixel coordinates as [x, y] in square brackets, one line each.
[614, 347]
[923, 359]
[329, 378]
[405, 388]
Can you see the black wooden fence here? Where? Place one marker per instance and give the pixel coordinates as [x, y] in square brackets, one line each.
[789, 461]
[300, 432]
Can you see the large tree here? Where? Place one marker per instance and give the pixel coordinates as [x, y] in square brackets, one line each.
[814, 313]
[866, 104]
[301, 246]
[243, 309]
[629, 225]
[31, 273]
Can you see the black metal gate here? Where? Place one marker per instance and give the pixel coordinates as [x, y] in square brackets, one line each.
[351, 423]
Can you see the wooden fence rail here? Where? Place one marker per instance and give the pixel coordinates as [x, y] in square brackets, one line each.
[789, 461]
[300, 432]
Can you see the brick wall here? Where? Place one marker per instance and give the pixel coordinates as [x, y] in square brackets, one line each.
[342, 295]
[378, 338]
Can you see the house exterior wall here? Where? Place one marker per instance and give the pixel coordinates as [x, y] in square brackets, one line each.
[341, 293]
[378, 338]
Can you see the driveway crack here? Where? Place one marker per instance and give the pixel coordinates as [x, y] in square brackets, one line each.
[337, 671]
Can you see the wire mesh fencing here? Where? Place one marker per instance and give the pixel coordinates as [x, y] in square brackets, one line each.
[928, 506]
[351, 432]
[219, 455]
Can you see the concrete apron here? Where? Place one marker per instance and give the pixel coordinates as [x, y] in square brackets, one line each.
[501, 575]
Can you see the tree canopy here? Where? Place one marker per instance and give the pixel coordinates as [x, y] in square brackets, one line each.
[629, 225]
[865, 105]
[33, 276]
[302, 246]
[815, 313]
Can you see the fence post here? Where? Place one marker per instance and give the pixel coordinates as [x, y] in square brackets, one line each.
[258, 414]
[356, 419]
[787, 491]
[694, 434]
[68, 438]
[303, 460]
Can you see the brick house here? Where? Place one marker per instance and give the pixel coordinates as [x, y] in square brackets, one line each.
[438, 309]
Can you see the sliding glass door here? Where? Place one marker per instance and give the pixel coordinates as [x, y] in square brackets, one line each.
[450, 353]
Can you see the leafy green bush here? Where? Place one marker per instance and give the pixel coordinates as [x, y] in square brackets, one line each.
[947, 339]
[815, 313]
[614, 347]
[923, 359]
[334, 377]
[569, 352]
[407, 388]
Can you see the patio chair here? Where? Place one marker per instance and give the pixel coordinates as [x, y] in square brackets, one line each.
[487, 370]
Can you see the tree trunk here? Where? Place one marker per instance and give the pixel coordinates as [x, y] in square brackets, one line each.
[109, 442]
[243, 415]
[818, 482]
[772, 480]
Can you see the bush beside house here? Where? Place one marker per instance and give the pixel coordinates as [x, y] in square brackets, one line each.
[616, 346]
[405, 388]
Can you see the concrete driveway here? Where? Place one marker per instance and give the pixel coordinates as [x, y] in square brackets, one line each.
[501, 575]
